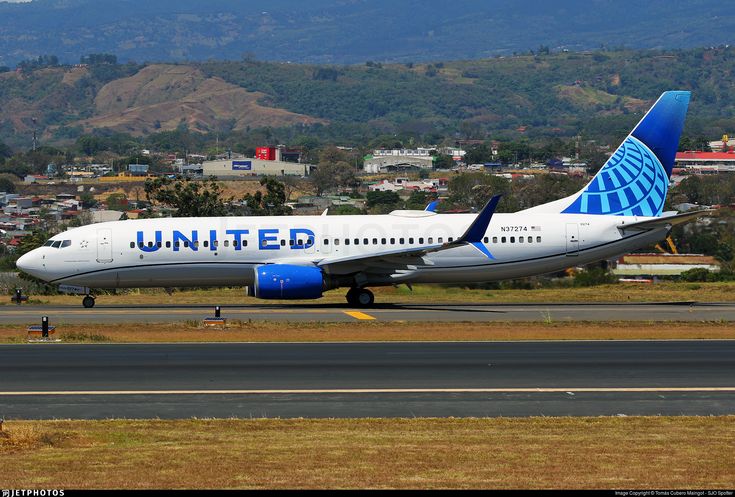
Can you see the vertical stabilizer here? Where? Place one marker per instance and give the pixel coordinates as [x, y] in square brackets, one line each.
[635, 179]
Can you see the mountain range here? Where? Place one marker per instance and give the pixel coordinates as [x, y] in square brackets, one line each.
[350, 31]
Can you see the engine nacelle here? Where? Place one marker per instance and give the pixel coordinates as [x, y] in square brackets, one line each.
[286, 281]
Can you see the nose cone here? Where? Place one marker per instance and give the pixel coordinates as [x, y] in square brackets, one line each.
[32, 263]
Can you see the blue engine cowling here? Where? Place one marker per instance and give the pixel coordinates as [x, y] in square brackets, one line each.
[285, 281]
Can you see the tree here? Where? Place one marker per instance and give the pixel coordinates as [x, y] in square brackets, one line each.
[473, 190]
[333, 175]
[190, 198]
[270, 204]
[117, 202]
[7, 183]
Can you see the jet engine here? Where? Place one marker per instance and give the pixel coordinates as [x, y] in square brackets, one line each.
[286, 281]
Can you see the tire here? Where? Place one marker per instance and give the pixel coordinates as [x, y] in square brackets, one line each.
[351, 296]
[365, 298]
[88, 302]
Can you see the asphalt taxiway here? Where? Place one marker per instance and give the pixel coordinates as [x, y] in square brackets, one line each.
[367, 379]
[478, 312]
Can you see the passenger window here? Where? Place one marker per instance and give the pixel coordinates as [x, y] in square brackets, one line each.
[365, 241]
[177, 244]
[227, 243]
[196, 244]
[392, 241]
[431, 240]
[530, 239]
[440, 240]
[538, 239]
[132, 244]
[158, 244]
[205, 243]
[383, 241]
[503, 239]
[486, 240]
[450, 239]
[520, 239]
[234, 243]
[347, 241]
[141, 244]
[309, 242]
[326, 241]
[168, 244]
[336, 241]
[421, 240]
[244, 243]
[301, 243]
[357, 241]
[150, 244]
[216, 243]
[410, 241]
[512, 239]
[495, 239]
[402, 241]
[375, 241]
[186, 244]
[283, 243]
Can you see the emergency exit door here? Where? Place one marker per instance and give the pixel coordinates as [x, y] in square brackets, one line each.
[104, 246]
[572, 239]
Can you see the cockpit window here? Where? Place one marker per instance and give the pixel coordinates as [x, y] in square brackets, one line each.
[48, 243]
[66, 243]
[56, 244]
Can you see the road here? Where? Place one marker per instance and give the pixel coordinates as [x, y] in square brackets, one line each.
[681, 311]
[367, 379]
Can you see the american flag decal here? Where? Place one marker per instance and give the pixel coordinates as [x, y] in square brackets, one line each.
[535, 228]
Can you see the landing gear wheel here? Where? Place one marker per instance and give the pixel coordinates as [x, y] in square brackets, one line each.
[360, 297]
[351, 296]
[88, 301]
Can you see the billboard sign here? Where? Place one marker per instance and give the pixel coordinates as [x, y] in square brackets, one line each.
[242, 165]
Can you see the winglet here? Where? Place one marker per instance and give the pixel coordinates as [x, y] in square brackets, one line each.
[477, 229]
[431, 207]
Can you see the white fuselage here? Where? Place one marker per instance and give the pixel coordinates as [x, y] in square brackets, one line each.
[223, 251]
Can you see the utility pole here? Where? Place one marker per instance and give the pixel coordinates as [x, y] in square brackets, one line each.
[34, 133]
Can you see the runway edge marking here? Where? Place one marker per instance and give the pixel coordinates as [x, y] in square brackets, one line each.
[370, 391]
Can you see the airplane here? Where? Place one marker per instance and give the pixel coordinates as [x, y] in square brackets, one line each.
[301, 257]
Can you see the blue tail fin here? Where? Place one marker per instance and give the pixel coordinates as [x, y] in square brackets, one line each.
[635, 179]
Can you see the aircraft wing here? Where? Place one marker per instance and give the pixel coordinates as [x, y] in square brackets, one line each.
[664, 221]
[412, 255]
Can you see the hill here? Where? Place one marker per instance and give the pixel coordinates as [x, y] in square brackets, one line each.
[348, 32]
[598, 94]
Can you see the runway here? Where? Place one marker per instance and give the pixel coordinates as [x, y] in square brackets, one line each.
[671, 311]
[367, 379]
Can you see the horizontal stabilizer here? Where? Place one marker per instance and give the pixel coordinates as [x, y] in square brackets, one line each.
[664, 221]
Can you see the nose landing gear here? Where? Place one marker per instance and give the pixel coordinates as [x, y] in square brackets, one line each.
[360, 297]
[88, 301]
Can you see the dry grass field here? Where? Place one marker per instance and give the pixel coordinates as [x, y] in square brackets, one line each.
[621, 292]
[271, 331]
[605, 453]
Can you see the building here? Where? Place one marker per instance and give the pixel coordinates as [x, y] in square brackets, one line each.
[704, 162]
[239, 168]
[662, 264]
[394, 160]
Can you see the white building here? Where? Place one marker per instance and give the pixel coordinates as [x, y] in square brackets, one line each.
[239, 168]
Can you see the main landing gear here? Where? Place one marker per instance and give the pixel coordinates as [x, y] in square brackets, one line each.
[360, 297]
[88, 301]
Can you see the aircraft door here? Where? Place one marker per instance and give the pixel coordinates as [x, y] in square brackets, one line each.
[572, 239]
[104, 246]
